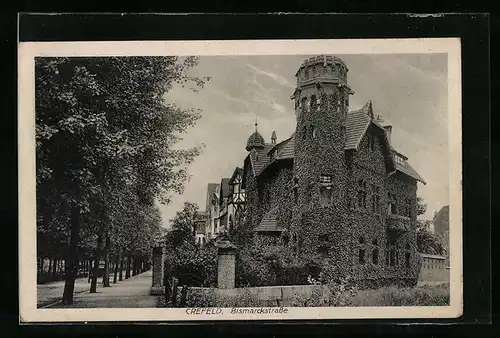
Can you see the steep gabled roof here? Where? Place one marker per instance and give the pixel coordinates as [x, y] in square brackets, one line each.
[236, 171]
[285, 150]
[407, 169]
[258, 158]
[357, 124]
[269, 223]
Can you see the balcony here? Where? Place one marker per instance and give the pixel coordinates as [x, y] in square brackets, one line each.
[398, 222]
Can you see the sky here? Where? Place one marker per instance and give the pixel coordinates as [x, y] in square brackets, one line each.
[409, 90]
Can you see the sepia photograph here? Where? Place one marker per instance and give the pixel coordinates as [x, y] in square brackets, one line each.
[312, 179]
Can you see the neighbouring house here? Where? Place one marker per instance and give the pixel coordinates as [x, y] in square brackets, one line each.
[337, 187]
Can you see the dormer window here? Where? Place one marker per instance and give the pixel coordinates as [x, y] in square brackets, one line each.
[399, 159]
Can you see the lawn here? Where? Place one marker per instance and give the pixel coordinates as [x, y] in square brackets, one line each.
[436, 295]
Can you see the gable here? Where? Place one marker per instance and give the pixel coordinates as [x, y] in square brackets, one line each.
[373, 149]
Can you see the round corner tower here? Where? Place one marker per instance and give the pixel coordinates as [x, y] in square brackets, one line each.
[321, 101]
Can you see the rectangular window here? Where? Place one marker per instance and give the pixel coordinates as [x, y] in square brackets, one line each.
[323, 245]
[393, 210]
[361, 257]
[361, 194]
[375, 199]
[325, 188]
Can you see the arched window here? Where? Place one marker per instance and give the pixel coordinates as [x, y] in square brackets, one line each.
[375, 252]
[361, 251]
[318, 103]
[313, 102]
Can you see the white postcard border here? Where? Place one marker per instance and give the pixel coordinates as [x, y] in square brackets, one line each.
[27, 172]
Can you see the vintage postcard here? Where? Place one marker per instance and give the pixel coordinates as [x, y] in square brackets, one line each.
[240, 180]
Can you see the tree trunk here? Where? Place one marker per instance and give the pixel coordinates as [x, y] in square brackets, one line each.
[50, 267]
[40, 265]
[72, 257]
[105, 276]
[115, 276]
[95, 270]
[134, 266]
[120, 276]
[89, 262]
[54, 270]
[127, 271]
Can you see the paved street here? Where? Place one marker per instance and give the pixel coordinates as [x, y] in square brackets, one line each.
[129, 293]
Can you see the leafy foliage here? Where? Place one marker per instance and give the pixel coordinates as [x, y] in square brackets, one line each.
[193, 265]
[428, 242]
[105, 150]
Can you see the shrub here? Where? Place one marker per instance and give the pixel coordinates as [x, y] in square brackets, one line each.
[261, 265]
[193, 265]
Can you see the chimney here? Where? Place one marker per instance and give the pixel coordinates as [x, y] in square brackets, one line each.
[273, 137]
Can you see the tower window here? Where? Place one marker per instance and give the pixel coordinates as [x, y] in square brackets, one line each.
[314, 102]
[303, 103]
[325, 188]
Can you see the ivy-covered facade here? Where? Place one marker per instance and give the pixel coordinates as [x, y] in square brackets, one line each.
[336, 187]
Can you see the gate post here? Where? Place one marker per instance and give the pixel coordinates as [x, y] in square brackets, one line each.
[226, 265]
[158, 273]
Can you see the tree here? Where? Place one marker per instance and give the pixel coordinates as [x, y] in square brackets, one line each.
[183, 225]
[192, 264]
[103, 131]
[428, 242]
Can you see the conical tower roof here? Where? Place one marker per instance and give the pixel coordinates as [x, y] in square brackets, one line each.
[255, 141]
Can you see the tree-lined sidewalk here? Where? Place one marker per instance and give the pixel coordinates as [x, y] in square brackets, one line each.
[130, 293]
[105, 139]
